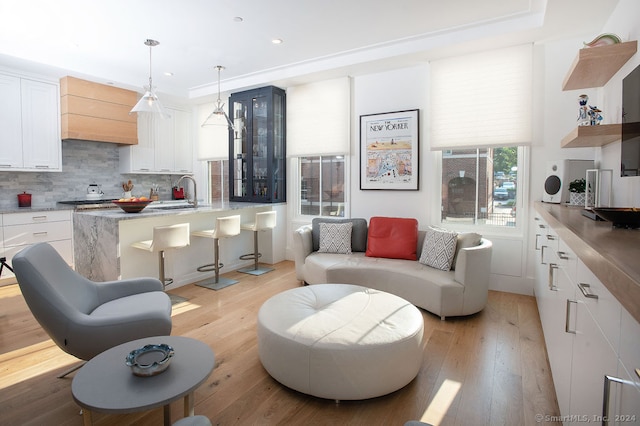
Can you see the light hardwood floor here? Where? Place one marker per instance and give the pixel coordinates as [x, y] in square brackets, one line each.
[486, 369]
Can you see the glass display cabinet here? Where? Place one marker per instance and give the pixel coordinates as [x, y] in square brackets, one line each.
[257, 146]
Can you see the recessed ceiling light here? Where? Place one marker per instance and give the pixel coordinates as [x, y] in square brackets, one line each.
[277, 41]
[238, 19]
[168, 73]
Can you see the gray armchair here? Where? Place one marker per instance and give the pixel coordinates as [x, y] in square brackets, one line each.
[83, 317]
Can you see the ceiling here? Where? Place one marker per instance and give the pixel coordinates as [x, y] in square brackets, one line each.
[104, 40]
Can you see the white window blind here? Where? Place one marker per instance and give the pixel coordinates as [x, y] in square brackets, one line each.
[318, 118]
[213, 141]
[484, 99]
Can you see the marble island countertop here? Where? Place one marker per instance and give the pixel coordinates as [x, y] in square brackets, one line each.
[169, 209]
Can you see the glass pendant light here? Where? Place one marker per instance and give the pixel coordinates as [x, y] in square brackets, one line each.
[218, 117]
[149, 102]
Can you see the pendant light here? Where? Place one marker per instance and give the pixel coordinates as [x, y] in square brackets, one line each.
[218, 117]
[149, 102]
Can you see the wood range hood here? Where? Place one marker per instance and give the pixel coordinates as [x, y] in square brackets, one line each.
[97, 112]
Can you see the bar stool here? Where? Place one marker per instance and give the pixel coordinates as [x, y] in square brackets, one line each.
[166, 237]
[263, 221]
[227, 226]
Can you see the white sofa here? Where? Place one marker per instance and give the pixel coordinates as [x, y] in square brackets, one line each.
[462, 291]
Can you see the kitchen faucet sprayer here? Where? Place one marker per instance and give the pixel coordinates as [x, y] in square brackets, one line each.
[195, 191]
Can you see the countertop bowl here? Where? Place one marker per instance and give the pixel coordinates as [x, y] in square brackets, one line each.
[621, 217]
[132, 206]
[150, 360]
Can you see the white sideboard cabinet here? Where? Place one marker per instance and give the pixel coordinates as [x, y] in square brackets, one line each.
[30, 125]
[593, 343]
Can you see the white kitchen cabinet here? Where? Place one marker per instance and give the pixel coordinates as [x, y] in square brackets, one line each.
[164, 145]
[20, 230]
[183, 146]
[29, 124]
[140, 158]
[623, 404]
[593, 358]
[555, 295]
[628, 393]
[598, 338]
[603, 306]
[10, 122]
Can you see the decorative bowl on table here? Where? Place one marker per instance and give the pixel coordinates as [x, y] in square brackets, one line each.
[150, 360]
[135, 205]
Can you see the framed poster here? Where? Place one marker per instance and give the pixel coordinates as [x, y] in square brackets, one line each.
[389, 150]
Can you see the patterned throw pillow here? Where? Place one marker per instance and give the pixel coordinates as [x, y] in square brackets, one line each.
[439, 248]
[335, 238]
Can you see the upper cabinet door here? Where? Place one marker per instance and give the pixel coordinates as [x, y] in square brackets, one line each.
[10, 123]
[41, 144]
[183, 146]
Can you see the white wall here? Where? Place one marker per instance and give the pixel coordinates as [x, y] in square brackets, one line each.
[387, 92]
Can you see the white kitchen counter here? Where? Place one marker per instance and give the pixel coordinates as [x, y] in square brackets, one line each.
[103, 238]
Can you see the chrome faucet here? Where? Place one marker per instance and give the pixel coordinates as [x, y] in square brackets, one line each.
[195, 190]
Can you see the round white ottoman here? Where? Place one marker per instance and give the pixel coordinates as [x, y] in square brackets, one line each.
[340, 341]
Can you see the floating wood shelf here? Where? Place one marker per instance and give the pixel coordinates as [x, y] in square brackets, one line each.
[594, 66]
[590, 136]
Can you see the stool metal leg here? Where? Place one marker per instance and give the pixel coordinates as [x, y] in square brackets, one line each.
[218, 282]
[167, 281]
[255, 269]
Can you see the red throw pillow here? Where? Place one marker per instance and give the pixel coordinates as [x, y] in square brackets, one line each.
[393, 238]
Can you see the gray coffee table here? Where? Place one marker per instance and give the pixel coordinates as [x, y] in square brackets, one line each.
[105, 384]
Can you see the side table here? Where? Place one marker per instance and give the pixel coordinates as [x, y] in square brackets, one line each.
[105, 384]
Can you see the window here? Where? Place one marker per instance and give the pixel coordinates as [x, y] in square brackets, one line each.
[322, 185]
[480, 186]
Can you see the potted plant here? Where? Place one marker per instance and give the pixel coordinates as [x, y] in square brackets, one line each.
[577, 189]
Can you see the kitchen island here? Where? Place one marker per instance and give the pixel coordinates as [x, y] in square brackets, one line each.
[102, 241]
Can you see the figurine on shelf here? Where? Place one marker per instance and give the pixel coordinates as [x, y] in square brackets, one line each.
[594, 116]
[583, 111]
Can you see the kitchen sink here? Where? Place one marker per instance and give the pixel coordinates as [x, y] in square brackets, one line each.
[170, 205]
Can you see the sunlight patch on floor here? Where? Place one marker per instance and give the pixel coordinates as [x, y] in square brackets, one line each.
[9, 290]
[183, 307]
[32, 361]
[435, 412]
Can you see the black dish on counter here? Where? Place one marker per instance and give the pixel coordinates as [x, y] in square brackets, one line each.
[621, 217]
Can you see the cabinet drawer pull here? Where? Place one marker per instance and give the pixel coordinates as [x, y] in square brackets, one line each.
[552, 267]
[541, 226]
[40, 234]
[551, 237]
[606, 395]
[568, 317]
[542, 255]
[537, 236]
[5, 165]
[38, 218]
[586, 290]
[562, 255]
[39, 166]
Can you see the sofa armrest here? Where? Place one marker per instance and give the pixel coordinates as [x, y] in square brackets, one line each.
[473, 270]
[302, 247]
